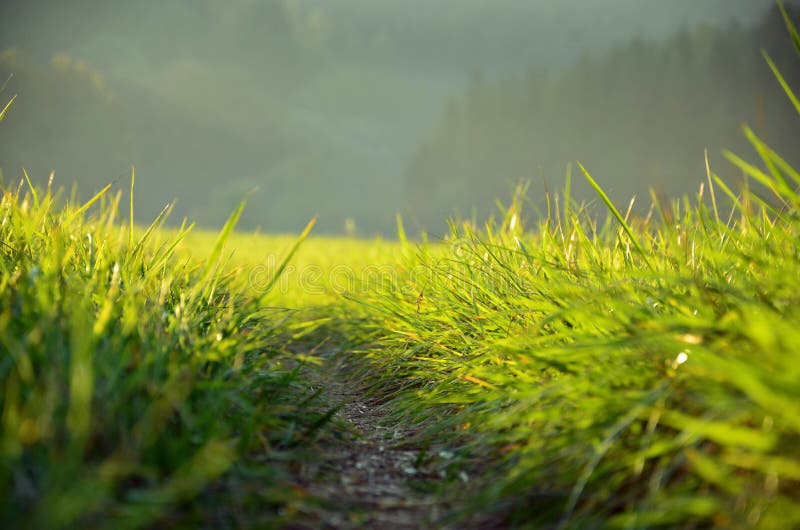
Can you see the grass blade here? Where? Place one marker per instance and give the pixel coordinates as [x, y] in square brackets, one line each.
[151, 228]
[224, 234]
[790, 26]
[130, 228]
[784, 84]
[711, 190]
[91, 201]
[617, 215]
[8, 106]
[303, 235]
[32, 188]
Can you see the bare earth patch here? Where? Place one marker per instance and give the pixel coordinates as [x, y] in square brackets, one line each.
[367, 478]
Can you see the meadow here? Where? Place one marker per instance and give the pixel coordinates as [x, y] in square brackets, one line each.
[586, 371]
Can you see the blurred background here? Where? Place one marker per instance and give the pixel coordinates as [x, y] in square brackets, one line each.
[360, 109]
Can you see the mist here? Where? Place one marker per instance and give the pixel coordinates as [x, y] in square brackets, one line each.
[357, 110]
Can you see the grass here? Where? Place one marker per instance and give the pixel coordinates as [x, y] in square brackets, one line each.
[623, 372]
[632, 373]
[603, 386]
[319, 273]
[136, 379]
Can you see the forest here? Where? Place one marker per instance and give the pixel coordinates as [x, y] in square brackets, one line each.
[300, 111]
[642, 116]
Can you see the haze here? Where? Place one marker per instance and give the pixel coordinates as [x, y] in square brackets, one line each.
[357, 110]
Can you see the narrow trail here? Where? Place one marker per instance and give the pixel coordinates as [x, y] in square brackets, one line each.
[367, 478]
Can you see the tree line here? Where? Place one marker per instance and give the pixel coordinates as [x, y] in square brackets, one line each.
[637, 117]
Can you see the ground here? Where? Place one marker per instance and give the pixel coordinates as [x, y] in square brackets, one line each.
[370, 476]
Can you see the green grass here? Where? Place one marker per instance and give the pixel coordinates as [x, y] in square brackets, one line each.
[601, 386]
[318, 274]
[634, 373]
[631, 373]
[139, 385]
[617, 372]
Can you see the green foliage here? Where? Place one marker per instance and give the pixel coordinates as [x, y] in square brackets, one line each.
[136, 386]
[635, 374]
[606, 386]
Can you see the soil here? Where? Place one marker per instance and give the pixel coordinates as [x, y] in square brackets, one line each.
[370, 476]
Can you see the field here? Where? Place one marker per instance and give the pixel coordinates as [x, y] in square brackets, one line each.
[586, 371]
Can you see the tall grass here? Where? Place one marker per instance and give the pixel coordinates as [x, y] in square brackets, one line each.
[635, 373]
[137, 385]
[626, 373]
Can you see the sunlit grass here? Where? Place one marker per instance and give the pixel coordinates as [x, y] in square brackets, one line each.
[604, 386]
[135, 380]
[625, 373]
[616, 372]
[319, 273]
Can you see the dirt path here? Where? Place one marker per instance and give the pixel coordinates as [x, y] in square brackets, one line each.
[367, 479]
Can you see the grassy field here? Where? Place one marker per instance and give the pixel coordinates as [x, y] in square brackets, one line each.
[585, 372]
